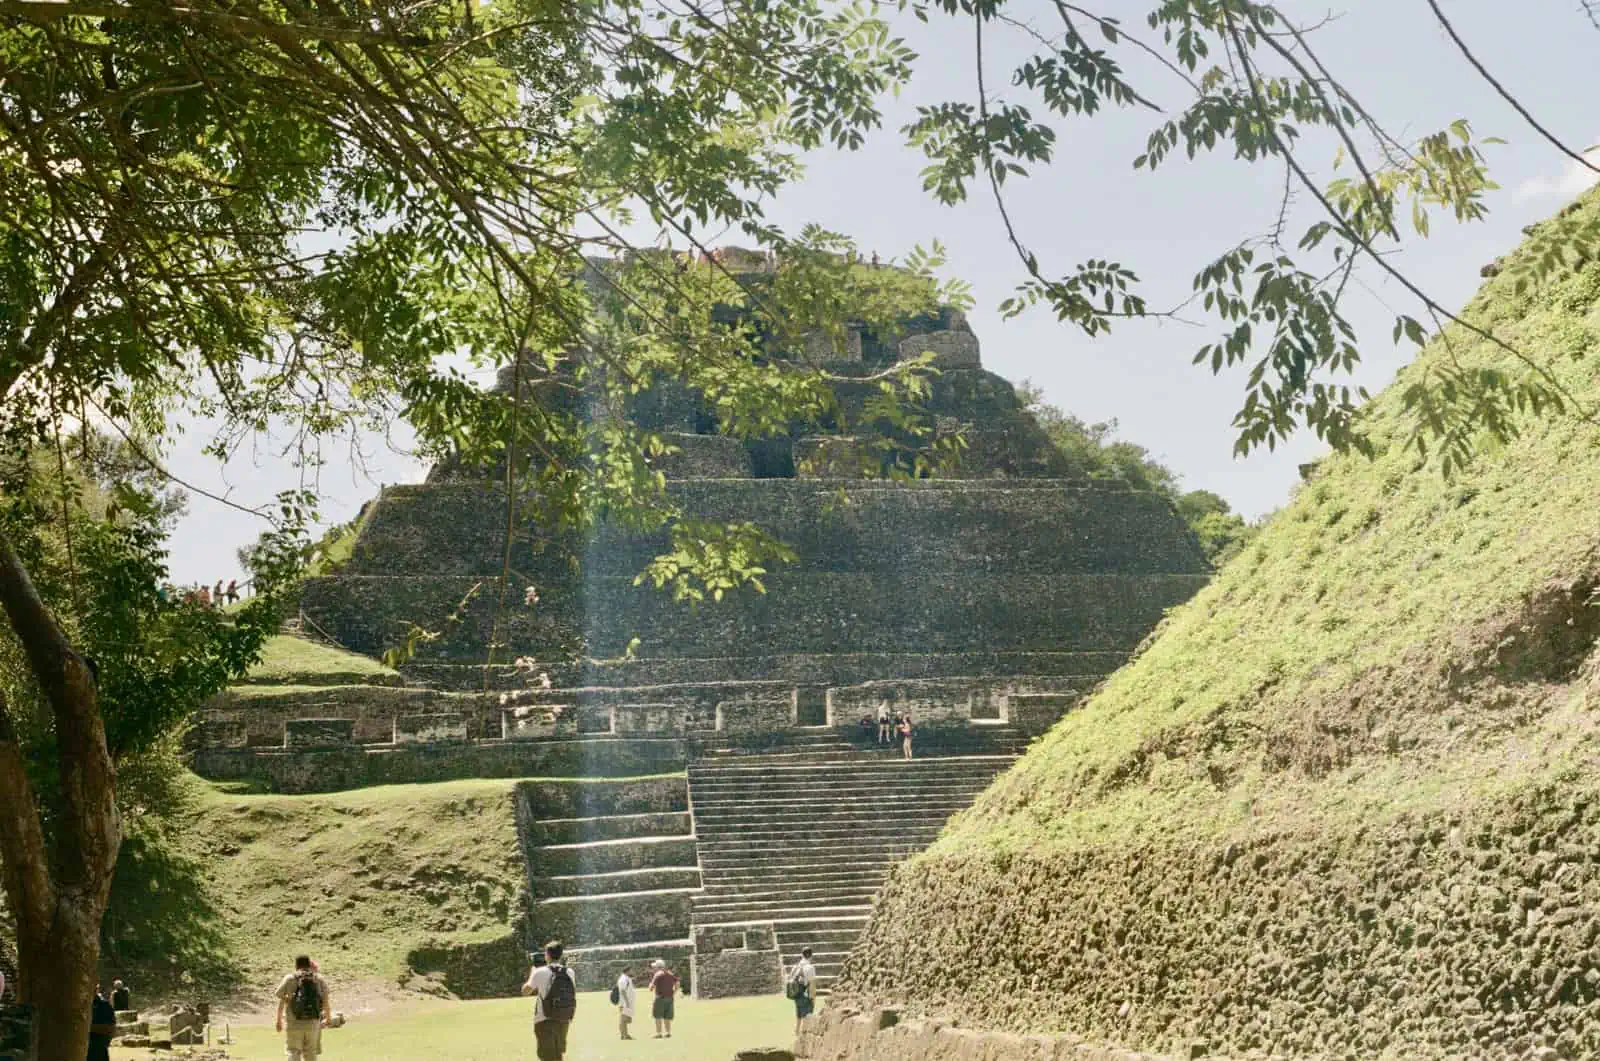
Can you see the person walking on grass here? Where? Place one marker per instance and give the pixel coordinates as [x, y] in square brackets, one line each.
[623, 996]
[663, 985]
[304, 994]
[102, 1026]
[802, 989]
[905, 733]
[554, 1005]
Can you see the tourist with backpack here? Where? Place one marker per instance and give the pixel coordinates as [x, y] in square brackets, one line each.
[554, 1005]
[623, 996]
[664, 985]
[303, 995]
[802, 989]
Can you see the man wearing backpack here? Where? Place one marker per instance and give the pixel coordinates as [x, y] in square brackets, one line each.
[555, 1004]
[304, 994]
[802, 989]
[623, 996]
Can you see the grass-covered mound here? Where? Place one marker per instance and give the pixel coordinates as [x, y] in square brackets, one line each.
[1347, 800]
[360, 880]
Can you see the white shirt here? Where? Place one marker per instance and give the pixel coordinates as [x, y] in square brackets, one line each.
[883, 712]
[804, 972]
[625, 995]
[539, 981]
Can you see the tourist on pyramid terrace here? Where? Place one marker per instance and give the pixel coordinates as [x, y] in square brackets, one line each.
[663, 984]
[554, 1005]
[623, 996]
[102, 1026]
[303, 996]
[120, 999]
[883, 723]
[802, 988]
[905, 733]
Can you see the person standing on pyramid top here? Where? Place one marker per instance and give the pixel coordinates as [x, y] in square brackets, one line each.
[304, 995]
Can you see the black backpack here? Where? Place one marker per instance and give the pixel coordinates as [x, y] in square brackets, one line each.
[616, 995]
[306, 1003]
[561, 1001]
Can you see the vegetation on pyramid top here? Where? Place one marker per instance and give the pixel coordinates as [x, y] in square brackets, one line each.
[1345, 798]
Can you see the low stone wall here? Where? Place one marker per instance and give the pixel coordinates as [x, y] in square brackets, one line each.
[615, 856]
[309, 733]
[494, 968]
[262, 711]
[626, 918]
[430, 729]
[536, 800]
[597, 968]
[847, 1035]
[704, 457]
[737, 960]
[337, 769]
[933, 700]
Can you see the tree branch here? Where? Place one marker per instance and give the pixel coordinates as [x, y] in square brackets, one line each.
[1505, 94]
[47, 12]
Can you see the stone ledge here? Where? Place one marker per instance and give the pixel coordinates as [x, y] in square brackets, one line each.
[848, 1034]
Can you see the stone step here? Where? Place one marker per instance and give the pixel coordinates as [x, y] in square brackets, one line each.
[890, 775]
[872, 874]
[628, 880]
[836, 806]
[797, 898]
[835, 916]
[787, 766]
[613, 917]
[560, 831]
[864, 794]
[819, 828]
[810, 846]
[787, 862]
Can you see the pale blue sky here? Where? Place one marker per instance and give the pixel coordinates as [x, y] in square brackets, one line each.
[1091, 204]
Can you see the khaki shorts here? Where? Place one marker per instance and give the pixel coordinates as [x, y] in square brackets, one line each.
[550, 1039]
[302, 1039]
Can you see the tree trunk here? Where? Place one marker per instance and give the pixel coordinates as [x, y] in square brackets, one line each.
[57, 890]
[56, 975]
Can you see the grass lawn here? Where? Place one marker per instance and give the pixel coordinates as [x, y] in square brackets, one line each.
[500, 1030]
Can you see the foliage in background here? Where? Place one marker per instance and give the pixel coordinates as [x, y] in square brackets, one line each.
[1093, 452]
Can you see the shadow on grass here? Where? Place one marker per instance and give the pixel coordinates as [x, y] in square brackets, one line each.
[162, 931]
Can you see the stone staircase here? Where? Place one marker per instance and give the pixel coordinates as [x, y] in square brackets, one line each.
[803, 837]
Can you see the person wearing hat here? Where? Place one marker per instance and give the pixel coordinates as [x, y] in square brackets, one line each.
[664, 985]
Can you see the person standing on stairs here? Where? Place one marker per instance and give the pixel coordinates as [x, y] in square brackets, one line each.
[905, 733]
[802, 988]
[883, 722]
[664, 985]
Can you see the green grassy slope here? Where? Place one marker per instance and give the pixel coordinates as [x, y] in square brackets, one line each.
[1346, 798]
[357, 879]
[291, 660]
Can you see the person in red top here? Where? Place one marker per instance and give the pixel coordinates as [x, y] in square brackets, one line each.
[664, 985]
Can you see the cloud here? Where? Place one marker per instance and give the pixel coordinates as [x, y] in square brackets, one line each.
[1570, 183]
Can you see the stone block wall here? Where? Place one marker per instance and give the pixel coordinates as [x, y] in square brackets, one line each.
[303, 734]
[705, 457]
[261, 711]
[737, 960]
[16, 1033]
[823, 612]
[431, 728]
[339, 769]
[1046, 526]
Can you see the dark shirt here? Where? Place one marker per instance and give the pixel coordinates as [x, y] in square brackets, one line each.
[120, 1000]
[101, 1016]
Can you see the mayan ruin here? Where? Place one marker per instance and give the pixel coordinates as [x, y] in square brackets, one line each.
[828, 530]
